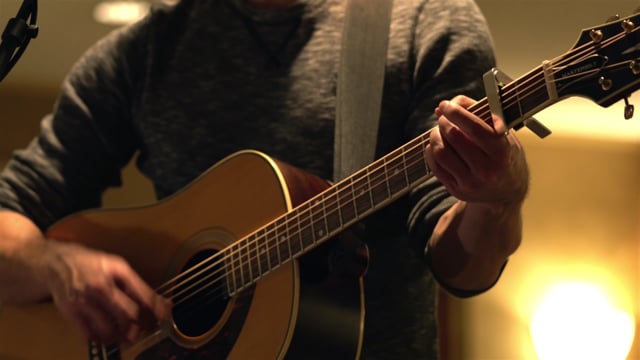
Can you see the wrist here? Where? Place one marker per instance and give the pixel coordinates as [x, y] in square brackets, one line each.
[22, 279]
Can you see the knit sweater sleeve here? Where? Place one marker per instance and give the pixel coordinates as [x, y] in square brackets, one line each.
[453, 49]
[84, 142]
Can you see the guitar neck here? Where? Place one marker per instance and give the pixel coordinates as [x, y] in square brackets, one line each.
[327, 214]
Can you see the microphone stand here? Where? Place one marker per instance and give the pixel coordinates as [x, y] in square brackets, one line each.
[17, 34]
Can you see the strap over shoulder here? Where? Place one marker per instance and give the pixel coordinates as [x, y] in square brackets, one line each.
[361, 72]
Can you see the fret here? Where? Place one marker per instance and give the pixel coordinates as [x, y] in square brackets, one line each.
[246, 264]
[417, 168]
[250, 257]
[405, 171]
[319, 219]
[378, 185]
[245, 268]
[346, 199]
[232, 284]
[512, 110]
[278, 238]
[397, 179]
[305, 224]
[284, 240]
[515, 106]
[518, 103]
[262, 258]
[253, 261]
[238, 266]
[362, 198]
[332, 212]
[270, 244]
[532, 101]
[369, 190]
[295, 234]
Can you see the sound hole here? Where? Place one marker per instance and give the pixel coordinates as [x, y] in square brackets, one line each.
[201, 296]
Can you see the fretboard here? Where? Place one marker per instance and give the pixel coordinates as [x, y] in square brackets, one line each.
[326, 214]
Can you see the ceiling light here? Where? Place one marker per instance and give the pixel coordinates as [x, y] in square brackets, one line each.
[578, 321]
[120, 12]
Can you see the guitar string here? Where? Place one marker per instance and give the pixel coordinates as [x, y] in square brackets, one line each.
[270, 268]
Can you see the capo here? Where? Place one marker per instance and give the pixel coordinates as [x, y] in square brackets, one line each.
[494, 80]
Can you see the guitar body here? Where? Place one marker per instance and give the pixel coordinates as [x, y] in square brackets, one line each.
[302, 309]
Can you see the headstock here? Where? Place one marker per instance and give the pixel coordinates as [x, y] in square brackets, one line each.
[604, 64]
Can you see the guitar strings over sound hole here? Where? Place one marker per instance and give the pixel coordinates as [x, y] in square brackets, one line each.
[200, 298]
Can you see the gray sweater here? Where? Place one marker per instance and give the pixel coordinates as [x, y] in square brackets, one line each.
[195, 82]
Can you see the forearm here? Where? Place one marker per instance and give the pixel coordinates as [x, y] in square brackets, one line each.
[472, 242]
[98, 292]
[21, 243]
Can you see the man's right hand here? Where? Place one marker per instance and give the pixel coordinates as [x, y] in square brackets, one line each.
[98, 292]
[101, 293]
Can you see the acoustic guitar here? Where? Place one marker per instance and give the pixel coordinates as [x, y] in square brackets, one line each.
[254, 253]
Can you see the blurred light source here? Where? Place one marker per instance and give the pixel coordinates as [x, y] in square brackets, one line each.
[576, 321]
[120, 12]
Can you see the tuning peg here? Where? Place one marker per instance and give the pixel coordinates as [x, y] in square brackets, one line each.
[628, 109]
[614, 18]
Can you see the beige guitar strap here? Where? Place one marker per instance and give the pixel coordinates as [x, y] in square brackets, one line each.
[365, 39]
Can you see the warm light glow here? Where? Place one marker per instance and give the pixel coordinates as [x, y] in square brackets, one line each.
[577, 321]
[583, 118]
[120, 12]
